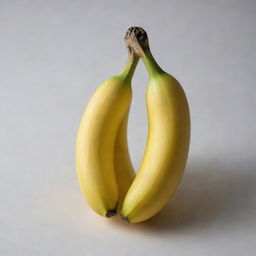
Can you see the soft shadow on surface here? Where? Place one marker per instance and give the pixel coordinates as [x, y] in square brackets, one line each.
[210, 192]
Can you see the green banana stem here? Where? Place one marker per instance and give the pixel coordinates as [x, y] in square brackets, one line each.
[130, 66]
[151, 65]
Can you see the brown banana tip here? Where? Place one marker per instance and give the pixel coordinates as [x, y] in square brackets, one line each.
[124, 218]
[111, 213]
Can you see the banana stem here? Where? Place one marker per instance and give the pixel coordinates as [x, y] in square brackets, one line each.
[129, 68]
[136, 40]
[151, 65]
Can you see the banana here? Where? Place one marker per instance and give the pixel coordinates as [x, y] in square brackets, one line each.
[101, 147]
[168, 138]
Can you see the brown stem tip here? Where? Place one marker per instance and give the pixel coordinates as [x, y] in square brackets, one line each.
[111, 213]
[124, 218]
[136, 39]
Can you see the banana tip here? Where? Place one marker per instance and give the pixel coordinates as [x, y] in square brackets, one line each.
[111, 213]
[124, 218]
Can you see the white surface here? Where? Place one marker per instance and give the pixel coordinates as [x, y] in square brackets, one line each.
[53, 55]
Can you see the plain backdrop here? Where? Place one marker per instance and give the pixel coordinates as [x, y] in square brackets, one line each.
[54, 54]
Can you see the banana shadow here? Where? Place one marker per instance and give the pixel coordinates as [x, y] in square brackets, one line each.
[210, 193]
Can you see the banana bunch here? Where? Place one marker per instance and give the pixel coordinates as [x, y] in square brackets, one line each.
[104, 167]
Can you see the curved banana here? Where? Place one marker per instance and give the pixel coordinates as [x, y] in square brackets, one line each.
[98, 143]
[168, 139]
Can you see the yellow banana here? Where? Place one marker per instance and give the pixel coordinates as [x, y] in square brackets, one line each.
[168, 138]
[101, 142]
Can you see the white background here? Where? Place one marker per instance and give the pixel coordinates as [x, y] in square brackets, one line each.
[54, 54]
